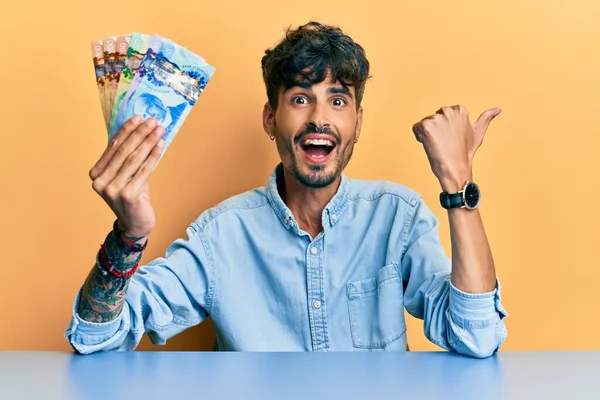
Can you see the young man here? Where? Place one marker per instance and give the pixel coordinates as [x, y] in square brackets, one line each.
[313, 261]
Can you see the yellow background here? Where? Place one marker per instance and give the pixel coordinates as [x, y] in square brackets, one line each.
[538, 60]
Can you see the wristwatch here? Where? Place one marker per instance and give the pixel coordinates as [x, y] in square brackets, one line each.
[468, 197]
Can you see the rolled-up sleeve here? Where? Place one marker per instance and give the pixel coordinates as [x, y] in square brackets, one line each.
[467, 323]
[478, 319]
[164, 297]
[88, 337]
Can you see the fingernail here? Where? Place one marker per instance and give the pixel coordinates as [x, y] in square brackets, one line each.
[159, 131]
[152, 122]
[137, 119]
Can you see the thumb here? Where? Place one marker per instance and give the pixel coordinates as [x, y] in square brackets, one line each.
[484, 120]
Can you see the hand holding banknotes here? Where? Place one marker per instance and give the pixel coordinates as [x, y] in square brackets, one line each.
[147, 85]
[121, 174]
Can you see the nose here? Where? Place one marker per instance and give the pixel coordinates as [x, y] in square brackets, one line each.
[318, 118]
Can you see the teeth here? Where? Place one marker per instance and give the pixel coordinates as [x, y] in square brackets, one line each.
[318, 142]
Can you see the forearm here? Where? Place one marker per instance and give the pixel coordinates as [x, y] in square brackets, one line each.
[459, 313]
[473, 268]
[103, 294]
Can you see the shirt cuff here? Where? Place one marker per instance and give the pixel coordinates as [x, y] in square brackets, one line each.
[477, 307]
[84, 332]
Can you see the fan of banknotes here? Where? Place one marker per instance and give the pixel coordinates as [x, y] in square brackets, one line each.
[147, 75]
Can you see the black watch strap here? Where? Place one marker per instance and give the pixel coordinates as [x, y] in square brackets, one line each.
[449, 201]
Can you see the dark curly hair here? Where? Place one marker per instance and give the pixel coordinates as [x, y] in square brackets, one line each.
[307, 54]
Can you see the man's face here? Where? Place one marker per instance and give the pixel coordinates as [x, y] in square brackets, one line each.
[315, 128]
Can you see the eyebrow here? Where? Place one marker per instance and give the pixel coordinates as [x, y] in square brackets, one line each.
[340, 90]
[331, 90]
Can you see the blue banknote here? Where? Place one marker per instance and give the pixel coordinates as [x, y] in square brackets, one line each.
[167, 88]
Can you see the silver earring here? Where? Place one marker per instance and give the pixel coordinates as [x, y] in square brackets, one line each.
[272, 137]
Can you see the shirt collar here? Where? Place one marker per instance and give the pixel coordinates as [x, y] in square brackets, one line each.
[331, 214]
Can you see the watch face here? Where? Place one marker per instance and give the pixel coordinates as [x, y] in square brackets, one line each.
[471, 195]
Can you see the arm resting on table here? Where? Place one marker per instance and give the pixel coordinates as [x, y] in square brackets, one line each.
[163, 298]
[468, 323]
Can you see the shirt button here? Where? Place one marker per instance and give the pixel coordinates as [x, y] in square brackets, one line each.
[317, 304]
[334, 217]
[314, 250]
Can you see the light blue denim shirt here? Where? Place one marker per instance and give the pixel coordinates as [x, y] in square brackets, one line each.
[267, 285]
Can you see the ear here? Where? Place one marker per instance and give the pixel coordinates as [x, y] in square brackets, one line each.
[269, 119]
[359, 121]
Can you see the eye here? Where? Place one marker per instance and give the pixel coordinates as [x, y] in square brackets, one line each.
[299, 100]
[339, 102]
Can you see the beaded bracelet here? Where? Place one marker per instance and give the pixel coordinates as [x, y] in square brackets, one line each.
[107, 267]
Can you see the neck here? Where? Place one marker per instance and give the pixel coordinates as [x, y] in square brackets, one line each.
[307, 204]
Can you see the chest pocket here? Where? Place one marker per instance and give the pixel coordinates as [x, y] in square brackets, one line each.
[376, 309]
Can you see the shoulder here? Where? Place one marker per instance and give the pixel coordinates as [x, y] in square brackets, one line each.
[382, 190]
[232, 207]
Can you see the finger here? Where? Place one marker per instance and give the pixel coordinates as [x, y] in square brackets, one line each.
[123, 133]
[136, 159]
[418, 131]
[420, 128]
[484, 120]
[446, 110]
[143, 173]
[122, 152]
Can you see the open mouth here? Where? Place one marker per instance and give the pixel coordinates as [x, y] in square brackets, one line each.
[317, 150]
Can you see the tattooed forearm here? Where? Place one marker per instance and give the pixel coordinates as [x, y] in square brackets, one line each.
[103, 295]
